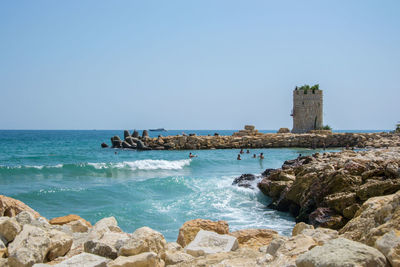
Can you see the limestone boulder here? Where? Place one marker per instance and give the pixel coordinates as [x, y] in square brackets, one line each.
[299, 227]
[254, 238]
[207, 242]
[84, 259]
[11, 207]
[284, 251]
[25, 217]
[321, 235]
[60, 244]
[68, 219]
[9, 228]
[342, 252]
[4, 262]
[173, 247]
[108, 245]
[389, 245]
[143, 240]
[376, 217]
[30, 246]
[146, 259]
[172, 258]
[78, 226]
[189, 229]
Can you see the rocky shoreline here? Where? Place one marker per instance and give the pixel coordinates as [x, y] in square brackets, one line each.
[347, 205]
[251, 138]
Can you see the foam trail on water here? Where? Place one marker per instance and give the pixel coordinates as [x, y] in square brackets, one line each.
[146, 164]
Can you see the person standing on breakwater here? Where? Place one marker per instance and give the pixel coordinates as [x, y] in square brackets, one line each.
[261, 155]
[238, 157]
[192, 156]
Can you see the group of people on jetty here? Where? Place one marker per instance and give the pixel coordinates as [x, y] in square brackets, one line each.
[261, 156]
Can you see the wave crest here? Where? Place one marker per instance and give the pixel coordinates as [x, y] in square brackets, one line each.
[145, 164]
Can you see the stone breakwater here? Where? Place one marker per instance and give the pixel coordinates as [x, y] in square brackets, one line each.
[255, 140]
[329, 189]
[371, 238]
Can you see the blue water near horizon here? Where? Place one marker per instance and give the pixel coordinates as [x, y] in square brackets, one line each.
[60, 172]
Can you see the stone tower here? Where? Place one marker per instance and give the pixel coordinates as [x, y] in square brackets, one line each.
[307, 110]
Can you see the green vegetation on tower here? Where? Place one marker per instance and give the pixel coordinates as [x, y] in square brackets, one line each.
[306, 87]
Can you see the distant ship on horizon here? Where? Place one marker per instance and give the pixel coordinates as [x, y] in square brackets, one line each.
[158, 130]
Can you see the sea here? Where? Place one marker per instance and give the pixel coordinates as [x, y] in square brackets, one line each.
[61, 172]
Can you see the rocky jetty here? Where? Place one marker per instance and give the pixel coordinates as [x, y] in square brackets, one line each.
[371, 238]
[328, 189]
[251, 138]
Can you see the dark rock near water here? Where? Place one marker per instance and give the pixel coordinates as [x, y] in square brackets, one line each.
[127, 145]
[244, 180]
[104, 145]
[126, 134]
[135, 134]
[145, 134]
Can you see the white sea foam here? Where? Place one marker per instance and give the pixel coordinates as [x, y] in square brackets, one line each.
[146, 164]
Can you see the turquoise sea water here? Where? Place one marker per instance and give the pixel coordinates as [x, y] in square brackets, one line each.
[63, 172]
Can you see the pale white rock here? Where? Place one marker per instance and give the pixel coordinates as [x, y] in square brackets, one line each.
[84, 260]
[4, 262]
[342, 252]
[109, 222]
[142, 240]
[25, 217]
[60, 244]
[146, 259]
[389, 245]
[108, 245]
[30, 246]
[172, 258]
[207, 242]
[9, 228]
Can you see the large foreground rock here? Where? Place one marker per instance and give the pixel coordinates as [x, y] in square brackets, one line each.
[11, 207]
[207, 242]
[342, 252]
[389, 245]
[142, 240]
[376, 217]
[189, 229]
[9, 228]
[108, 245]
[29, 247]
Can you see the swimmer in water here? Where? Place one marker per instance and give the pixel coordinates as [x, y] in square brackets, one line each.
[248, 151]
[238, 157]
[241, 151]
[254, 156]
[191, 155]
[261, 155]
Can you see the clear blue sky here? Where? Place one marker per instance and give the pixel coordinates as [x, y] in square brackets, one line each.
[196, 64]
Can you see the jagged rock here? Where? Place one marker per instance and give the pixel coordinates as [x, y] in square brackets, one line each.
[25, 217]
[142, 240]
[244, 180]
[189, 229]
[108, 224]
[326, 217]
[299, 227]
[67, 219]
[78, 226]
[376, 217]
[29, 247]
[341, 252]
[145, 134]
[177, 257]
[108, 245]
[9, 228]
[104, 145]
[132, 141]
[60, 244]
[135, 134]
[126, 144]
[146, 259]
[207, 242]
[173, 247]
[126, 134]
[254, 238]
[11, 207]
[283, 130]
[321, 235]
[84, 260]
[389, 245]
[284, 251]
